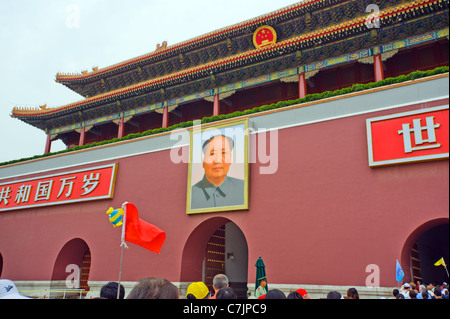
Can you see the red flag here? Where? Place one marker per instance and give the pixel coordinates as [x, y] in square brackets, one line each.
[139, 232]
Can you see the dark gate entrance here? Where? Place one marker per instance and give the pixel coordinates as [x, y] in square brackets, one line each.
[431, 246]
[215, 256]
[215, 246]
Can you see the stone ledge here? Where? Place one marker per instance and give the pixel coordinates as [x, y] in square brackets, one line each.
[56, 289]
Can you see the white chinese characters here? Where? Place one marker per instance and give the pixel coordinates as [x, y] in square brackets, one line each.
[421, 142]
[42, 190]
[4, 195]
[66, 182]
[23, 194]
[64, 187]
[90, 183]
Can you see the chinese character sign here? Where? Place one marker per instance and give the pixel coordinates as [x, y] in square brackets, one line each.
[68, 187]
[414, 136]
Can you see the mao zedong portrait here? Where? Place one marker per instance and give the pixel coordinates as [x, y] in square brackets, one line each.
[217, 189]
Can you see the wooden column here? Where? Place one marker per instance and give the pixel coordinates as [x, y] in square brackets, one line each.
[121, 128]
[165, 119]
[378, 67]
[216, 106]
[48, 144]
[301, 85]
[82, 136]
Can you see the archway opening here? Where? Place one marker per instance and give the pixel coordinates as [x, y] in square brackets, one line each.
[71, 270]
[424, 247]
[216, 246]
[431, 246]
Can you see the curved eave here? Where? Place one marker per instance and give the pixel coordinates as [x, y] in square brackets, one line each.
[225, 64]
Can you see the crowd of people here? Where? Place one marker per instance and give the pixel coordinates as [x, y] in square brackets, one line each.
[418, 290]
[161, 288]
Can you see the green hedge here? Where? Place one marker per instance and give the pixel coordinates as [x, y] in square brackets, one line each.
[310, 97]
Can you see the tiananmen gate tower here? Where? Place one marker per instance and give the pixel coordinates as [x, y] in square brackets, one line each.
[340, 135]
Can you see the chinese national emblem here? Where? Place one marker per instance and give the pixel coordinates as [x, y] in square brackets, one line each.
[264, 36]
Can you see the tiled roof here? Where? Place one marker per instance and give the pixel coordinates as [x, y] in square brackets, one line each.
[61, 77]
[42, 112]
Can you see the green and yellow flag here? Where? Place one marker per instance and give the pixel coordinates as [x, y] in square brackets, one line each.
[440, 262]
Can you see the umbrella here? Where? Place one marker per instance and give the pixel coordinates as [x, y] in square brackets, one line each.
[260, 273]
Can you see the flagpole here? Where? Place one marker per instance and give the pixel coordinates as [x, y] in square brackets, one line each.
[445, 266]
[122, 245]
[441, 262]
[120, 271]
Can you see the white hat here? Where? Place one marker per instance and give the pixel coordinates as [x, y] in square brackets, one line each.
[8, 290]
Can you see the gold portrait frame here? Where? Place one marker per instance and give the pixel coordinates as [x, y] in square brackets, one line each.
[195, 147]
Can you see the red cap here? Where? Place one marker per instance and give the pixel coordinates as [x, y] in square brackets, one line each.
[302, 292]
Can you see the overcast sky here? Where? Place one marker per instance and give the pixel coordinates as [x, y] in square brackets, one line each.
[41, 38]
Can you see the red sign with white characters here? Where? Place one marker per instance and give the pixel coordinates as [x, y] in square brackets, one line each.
[414, 136]
[62, 188]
